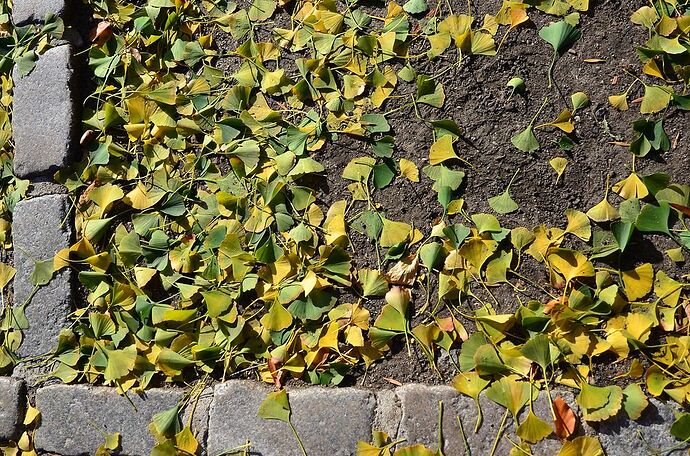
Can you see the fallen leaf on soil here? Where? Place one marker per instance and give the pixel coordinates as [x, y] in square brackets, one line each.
[392, 381]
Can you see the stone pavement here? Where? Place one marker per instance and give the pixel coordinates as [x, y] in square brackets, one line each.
[330, 421]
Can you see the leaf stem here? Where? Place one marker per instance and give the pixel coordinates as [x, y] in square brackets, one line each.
[499, 433]
[299, 441]
[550, 73]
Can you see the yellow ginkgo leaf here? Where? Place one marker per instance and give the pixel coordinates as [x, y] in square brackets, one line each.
[667, 289]
[277, 318]
[336, 231]
[409, 170]
[558, 164]
[571, 264]
[563, 122]
[603, 212]
[620, 102]
[442, 150]
[631, 187]
[638, 282]
[105, 195]
[639, 326]
[393, 233]
[578, 224]
[580, 446]
[6, 274]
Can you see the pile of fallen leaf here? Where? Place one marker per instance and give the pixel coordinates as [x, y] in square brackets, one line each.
[203, 248]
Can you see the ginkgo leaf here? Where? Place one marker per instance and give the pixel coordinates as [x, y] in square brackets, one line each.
[600, 402]
[579, 100]
[393, 232]
[656, 98]
[560, 35]
[7, 273]
[525, 140]
[120, 362]
[409, 170]
[430, 92]
[517, 85]
[373, 282]
[580, 446]
[571, 264]
[620, 102]
[638, 282]
[276, 406]
[510, 393]
[631, 187]
[603, 212]
[470, 384]
[533, 429]
[635, 401]
[277, 318]
[442, 150]
[415, 450]
[503, 203]
[563, 122]
[415, 6]
[654, 219]
[558, 164]
[538, 349]
[578, 224]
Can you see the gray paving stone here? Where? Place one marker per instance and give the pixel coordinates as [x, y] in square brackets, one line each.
[44, 115]
[12, 406]
[651, 434]
[419, 421]
[74, 418]
[24, 11]
[388, 412]
[420, 412]
[329, 421]
[41, 227]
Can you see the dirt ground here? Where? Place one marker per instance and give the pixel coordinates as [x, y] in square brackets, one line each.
[477, 100]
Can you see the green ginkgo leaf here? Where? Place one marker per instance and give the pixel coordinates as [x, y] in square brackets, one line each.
[510, 393]
[503, 203]
[276, 406]
[656, 98]
[525, 140]
[654, 219]
[415, 6]
[635, 401]
[560, 35]
[430, 92]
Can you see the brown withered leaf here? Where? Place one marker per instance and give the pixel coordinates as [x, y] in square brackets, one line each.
[404, 272]
[565, 421]
[101, 32]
